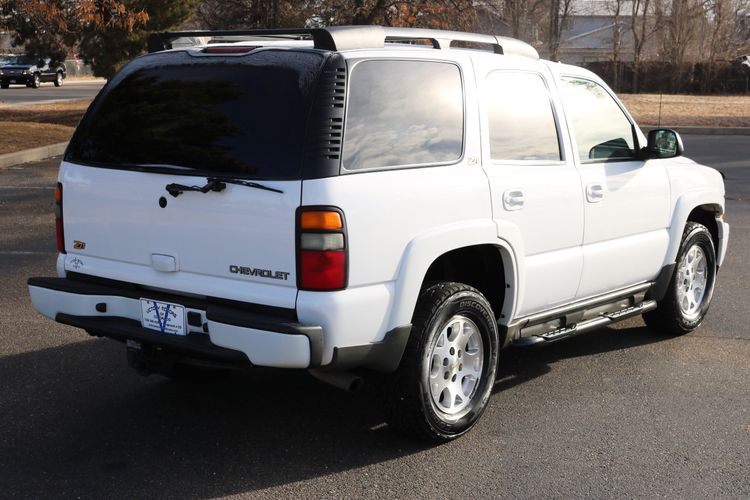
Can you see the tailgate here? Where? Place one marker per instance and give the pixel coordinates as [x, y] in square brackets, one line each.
[237, 244]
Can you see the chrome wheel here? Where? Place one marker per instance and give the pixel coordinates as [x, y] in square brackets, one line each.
[692, 278]
[456, 362]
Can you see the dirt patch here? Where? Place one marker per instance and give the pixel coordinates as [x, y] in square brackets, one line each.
[31, 126]
[67, 113]
[17, 136]
[687, 110]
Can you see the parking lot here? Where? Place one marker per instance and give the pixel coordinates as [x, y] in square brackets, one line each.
[623, 412]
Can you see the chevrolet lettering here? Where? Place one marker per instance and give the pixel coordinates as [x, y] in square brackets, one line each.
[263, 273]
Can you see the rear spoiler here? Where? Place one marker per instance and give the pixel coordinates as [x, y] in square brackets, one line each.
[337, 38]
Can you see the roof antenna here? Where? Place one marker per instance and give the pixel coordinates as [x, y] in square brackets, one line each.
[658, 123]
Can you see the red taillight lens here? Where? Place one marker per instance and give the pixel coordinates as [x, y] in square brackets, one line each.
[59, 218]
[322, 249]
[228, 50]
[322, 270]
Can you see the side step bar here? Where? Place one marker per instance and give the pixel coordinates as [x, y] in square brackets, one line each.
[600, 321]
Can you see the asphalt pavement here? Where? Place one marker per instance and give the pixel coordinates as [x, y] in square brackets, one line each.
[622, 412]
[47, 92]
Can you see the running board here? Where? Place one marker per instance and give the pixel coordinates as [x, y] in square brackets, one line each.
[600, 321]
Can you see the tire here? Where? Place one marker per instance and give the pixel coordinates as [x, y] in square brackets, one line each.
[36, 82]
[452, 322]
[59, 79]
[4, 85]
[689, 294]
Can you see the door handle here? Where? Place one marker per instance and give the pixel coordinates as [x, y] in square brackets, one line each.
[513, 199]
[594, 193]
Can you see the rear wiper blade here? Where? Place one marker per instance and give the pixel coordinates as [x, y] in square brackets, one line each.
[216, 184]
[240, 182]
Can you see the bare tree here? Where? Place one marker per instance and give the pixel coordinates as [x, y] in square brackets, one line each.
[559, 12]
[616, 8]
[642, 28]
[684, 26]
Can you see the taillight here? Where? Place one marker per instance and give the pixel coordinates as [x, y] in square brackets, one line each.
[229, 50]
[59, 218]
[321, 249]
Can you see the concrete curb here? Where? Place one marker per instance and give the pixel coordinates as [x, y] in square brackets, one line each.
[34, 154]
[686, 130]
[86, 81]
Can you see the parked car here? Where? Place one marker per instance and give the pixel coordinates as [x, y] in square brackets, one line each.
[352, 203]
[30, 71]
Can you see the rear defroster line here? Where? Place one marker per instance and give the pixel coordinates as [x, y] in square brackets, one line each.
[217, 184]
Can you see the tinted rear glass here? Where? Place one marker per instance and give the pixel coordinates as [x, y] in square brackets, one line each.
[242, 116]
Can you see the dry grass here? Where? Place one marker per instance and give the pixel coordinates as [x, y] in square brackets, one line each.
[31, 126]
[43, 124]
[705, 111]
[61, 113]
[17, 136]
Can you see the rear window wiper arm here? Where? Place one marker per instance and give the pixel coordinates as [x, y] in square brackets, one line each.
[240, 182]
[215, 184]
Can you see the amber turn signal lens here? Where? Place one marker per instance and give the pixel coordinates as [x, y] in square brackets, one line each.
[322, 219]
[58, 193]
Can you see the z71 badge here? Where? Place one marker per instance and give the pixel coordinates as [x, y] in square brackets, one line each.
[262, 273]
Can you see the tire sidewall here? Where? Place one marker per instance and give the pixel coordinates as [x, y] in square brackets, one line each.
[698, 235]
[475, 307]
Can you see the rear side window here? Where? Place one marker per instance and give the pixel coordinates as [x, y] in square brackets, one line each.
[601, 129]
[245, 116]
[403, 113]
[521, 122]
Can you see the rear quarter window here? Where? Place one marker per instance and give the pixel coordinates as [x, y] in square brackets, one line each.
[403, 113]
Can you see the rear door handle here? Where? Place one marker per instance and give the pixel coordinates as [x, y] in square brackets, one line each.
[513, 199]
[594, 193]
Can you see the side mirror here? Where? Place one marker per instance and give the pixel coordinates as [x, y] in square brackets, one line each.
[663, 143]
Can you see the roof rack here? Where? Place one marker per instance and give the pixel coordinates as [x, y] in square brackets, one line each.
[355, 37]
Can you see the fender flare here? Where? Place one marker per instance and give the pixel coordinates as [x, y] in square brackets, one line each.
[423, 250]
[685, 204]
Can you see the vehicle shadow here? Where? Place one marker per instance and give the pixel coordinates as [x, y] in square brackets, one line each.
[521, 364]
[75, 421]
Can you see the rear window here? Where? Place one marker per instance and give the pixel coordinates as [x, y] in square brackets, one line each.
[242, 116]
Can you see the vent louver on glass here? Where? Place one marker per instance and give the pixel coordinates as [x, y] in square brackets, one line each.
[326, 131]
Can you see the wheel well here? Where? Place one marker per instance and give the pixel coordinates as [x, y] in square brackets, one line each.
[479, 266]
[706, 215]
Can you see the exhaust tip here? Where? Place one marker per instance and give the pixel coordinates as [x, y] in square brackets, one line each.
[342, 380]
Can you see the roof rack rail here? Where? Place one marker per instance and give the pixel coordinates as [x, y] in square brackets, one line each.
[355, 37]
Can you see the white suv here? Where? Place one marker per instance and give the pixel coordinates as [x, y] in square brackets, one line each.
[352, 198]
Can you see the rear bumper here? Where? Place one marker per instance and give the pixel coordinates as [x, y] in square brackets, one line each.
[228, 331]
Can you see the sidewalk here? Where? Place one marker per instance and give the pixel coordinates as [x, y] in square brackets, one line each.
[33, 154]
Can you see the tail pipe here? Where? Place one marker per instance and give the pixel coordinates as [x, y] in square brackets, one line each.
[342, 380]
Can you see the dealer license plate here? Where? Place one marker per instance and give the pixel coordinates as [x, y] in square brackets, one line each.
[163, 317]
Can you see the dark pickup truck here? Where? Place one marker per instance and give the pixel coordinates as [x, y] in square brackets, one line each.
[29, 71]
